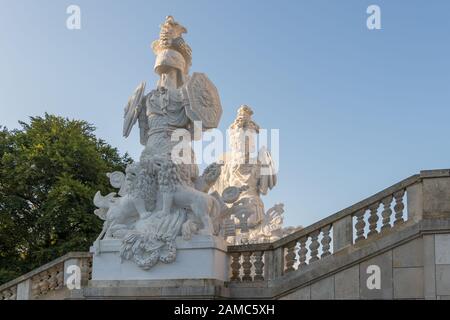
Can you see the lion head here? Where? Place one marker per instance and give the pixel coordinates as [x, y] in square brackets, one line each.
[166, 171]
[140, 183]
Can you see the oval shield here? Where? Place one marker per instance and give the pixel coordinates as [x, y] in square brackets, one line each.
[204, 102]
[132, 109]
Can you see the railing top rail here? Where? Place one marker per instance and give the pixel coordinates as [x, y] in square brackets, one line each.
[26, 276]
[330, 219]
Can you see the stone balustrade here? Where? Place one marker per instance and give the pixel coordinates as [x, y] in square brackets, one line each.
[47, 280]
[404, 228]
[363, 221]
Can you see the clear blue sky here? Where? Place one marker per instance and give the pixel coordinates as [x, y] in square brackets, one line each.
[357, 110]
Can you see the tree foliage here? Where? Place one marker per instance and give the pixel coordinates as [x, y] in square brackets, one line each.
[50, 170]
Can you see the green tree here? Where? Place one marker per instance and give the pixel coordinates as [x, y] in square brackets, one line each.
[50, 170]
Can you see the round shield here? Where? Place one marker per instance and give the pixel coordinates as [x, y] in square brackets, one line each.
[132, 109]
[204, 102]
[231, 194]
[116, 178]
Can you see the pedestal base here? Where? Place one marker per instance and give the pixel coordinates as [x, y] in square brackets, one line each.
[152, 289]
[202, 257]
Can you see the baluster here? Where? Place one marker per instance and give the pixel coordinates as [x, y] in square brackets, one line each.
[35, 290]
[60, 276]
[290, 256]
[84, 266]
[259, 266]
[52, 279]
[43, 282]
[303, 251]
[373, 219]
[86, 270]
[399, 206]
[4, 295]
[314, 246]
[360, 224]
[247, 266]
[13, 294]
[236, 266]
[90, 268]
[386, 214]
[326, 239]
[8, 294]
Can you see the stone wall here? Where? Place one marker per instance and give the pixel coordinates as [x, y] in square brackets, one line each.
[408, 271]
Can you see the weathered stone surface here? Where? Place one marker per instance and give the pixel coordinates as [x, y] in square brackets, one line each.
[442, 244]
[24, 290]
[443, 279]
[144, 289]
[408, 283]
[409, 255]
[202, 257]
[415, 202]
[429, 269]
[352, 255]
[342, 233]
[384, 261]
[301, 294]
[436, 195]
[399, 254]
[323, 289]
[346, 283]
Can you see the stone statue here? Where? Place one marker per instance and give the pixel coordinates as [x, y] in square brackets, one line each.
[121, 213]
[176, 103]
[174, 192]
[252, 171]
[163, 196]
[240, 168]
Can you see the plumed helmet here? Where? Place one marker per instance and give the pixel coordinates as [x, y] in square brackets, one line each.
[170, 49]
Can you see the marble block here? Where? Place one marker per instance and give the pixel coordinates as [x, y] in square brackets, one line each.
[202, 257]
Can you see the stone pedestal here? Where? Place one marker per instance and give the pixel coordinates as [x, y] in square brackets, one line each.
[203, 257]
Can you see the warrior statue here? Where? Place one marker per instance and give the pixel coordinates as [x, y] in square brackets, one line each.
[161, 197]
[241, 168]
[254, 172]
[176, 103]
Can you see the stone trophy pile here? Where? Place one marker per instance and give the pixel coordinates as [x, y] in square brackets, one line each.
[164, 205]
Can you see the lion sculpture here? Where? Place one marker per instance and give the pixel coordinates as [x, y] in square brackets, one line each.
[175, 193]
[120, 213]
